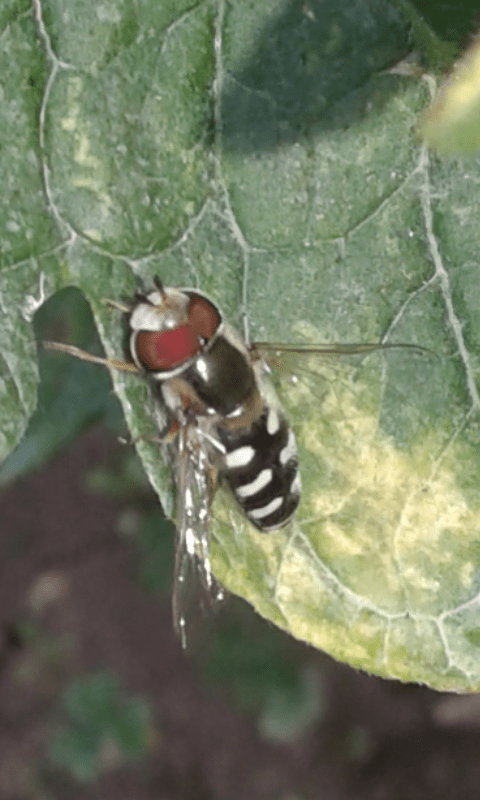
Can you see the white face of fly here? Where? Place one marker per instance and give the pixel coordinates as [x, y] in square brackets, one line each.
[156, 314]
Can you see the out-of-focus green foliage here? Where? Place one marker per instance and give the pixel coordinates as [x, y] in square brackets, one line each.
[264, 673]
[71, 394]
[105, 728]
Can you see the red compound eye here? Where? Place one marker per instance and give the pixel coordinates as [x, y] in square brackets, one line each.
[203, 317]
[167, 349]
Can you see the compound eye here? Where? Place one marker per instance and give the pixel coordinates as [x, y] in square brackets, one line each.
[164, 350]
[203, 317]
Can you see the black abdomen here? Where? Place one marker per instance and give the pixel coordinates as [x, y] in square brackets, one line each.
[261, 468]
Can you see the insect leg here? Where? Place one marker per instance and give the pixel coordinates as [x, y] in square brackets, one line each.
[111, 363]
[123, 307]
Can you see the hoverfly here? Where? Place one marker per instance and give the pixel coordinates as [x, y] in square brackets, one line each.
[223, 424]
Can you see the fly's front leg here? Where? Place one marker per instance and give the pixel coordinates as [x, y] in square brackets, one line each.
[82, 355]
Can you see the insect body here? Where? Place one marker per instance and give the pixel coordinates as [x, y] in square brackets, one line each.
[208, 379]
[223, 423]
[224, 426]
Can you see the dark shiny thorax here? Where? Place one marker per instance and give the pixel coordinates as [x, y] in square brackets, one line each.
[221, 376]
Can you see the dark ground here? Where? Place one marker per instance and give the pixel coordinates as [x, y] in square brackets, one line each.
[68, 574]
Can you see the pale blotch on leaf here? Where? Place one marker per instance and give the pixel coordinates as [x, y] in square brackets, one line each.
[452, 123]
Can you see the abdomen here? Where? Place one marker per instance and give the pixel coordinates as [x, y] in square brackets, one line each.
[261, 469]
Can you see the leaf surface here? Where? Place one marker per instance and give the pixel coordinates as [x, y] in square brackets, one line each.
[266, 154]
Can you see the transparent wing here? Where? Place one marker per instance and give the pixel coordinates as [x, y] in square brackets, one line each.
[392, 370]
[291, 357]
[320, 365]
[195, 589]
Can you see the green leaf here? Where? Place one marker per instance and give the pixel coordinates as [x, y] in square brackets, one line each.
[436, 52]
[452, 123]
[266, 152]
[105, 729]
[288, 715]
